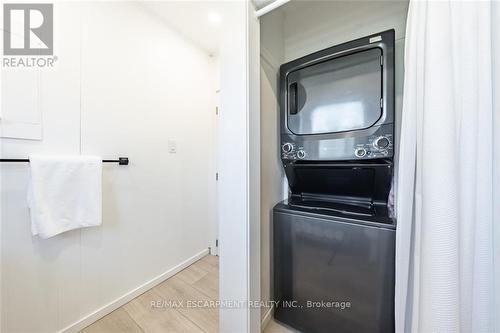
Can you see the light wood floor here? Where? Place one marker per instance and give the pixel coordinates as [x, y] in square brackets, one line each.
[165, 307]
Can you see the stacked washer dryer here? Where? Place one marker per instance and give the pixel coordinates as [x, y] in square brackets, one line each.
[334, 237]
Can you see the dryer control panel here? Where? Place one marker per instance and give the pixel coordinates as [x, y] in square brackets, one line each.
[291, 151]
[376, 143]
[376, 147]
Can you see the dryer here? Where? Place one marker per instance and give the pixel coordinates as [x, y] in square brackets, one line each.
[338, 103]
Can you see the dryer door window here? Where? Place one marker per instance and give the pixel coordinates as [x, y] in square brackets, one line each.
[338, 95]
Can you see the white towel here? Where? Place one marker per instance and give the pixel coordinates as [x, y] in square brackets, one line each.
[65, 193]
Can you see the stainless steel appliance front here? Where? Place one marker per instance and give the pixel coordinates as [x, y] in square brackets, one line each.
[333, 273]
[338, 103]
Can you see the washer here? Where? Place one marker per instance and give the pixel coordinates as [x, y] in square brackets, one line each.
[333, 271]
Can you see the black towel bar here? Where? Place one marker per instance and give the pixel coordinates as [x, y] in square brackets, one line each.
[120, 160]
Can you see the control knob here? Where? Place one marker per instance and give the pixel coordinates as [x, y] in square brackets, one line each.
[381, 142]
[287, 147]
[301, 154]
[360, 152]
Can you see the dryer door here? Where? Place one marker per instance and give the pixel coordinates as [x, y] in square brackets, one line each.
[338, 95]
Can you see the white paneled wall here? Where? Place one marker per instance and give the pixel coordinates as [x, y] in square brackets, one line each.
[41, 278]
[124, 85]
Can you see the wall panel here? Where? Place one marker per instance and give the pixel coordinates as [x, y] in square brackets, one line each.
[124, 85]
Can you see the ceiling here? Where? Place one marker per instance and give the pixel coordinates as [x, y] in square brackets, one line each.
[196, 19]
[202, 21]
[199, 21]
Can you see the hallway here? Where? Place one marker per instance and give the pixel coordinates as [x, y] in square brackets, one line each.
[164, 308]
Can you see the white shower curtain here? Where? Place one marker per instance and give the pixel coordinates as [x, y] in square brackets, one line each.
[448, 188]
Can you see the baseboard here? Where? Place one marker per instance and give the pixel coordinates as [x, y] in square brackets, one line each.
[122, 300]
[266, 318]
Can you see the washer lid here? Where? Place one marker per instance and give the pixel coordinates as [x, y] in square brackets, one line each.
[367, 183]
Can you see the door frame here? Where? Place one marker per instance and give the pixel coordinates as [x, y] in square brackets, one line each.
[239, 169]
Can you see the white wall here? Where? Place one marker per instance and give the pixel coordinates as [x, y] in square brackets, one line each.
[496, 123]
[309, 26]
[124, 84]
[314, 25]
[253, 65]
[272, 175]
